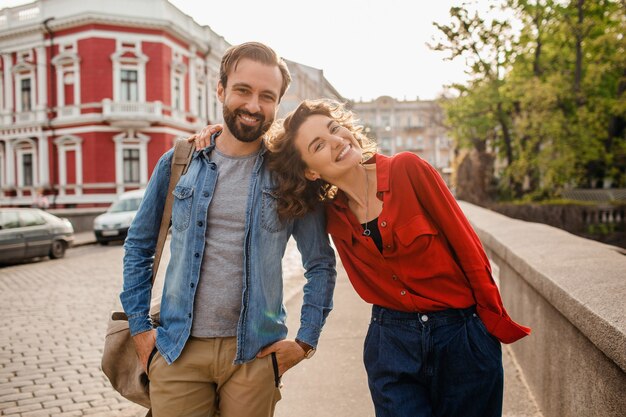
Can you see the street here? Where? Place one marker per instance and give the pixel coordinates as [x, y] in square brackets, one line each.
[54, 314]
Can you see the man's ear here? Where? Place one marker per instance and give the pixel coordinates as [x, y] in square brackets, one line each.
[220, 92]
[311, 175]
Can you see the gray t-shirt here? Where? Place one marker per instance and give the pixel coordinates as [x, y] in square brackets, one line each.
[218, 299]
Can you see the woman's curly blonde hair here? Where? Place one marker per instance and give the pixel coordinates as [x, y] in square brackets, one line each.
[296, 194]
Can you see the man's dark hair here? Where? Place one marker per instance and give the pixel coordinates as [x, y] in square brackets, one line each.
[257, 52]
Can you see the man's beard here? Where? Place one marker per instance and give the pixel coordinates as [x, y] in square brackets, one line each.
[244, 132]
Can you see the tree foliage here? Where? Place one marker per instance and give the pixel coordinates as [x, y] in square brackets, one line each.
[547, 91]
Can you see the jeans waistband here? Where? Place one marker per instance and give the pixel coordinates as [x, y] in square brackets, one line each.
[431, 318]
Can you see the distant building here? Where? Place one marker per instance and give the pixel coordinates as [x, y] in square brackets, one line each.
[306, 83]
[93, 92]
[408, 125]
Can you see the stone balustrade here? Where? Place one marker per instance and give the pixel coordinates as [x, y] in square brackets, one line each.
[572, 292]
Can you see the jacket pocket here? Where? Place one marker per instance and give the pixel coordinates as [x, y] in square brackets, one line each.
[416, 228]
[269, 215]
[181, 210]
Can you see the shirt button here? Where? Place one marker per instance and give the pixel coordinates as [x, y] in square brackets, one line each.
[424, 317]
[383, 224]
[197, 255]
[192, 285]
[394, 277]
[189, 315]
[388, 246]
[206, 194]
[402, 292]
[200, 223]
[213, 167]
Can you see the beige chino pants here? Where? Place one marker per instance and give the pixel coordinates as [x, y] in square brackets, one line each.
[203, 382]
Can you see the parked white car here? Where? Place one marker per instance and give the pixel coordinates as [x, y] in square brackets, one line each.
[113, 225]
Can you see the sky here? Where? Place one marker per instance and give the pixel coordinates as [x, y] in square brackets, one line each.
[366, 48]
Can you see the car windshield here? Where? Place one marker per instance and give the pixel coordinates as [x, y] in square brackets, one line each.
[128, 204]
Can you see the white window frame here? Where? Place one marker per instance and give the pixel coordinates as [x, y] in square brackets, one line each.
[131, 140]
[178, 99]
[201, 95]
[131, 148]
[138, 63]
[178, 70]
[22, 149]
[19, 76]
[121, 86]
[212, 102]
[200, 107]
[65, 144]
[68, 62]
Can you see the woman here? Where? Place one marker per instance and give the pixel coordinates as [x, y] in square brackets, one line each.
[433, 344]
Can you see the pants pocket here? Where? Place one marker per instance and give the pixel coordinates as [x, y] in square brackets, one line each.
[275, 367]
[150, 358]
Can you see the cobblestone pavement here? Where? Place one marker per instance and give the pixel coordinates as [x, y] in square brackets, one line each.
[54, 320]
[54, 315]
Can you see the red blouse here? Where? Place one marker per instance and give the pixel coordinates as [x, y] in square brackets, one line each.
[431, 260]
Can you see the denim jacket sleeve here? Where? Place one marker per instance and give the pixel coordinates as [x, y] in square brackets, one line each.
[140, 247]
[318, 259]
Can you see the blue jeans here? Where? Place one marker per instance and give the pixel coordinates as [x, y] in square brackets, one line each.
[439, 364]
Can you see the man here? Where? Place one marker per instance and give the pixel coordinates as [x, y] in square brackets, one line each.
[221, 341]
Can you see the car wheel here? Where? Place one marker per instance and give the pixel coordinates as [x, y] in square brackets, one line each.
[57, 250]
[103, 242]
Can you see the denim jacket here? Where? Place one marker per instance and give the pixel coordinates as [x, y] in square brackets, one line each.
[262, 318]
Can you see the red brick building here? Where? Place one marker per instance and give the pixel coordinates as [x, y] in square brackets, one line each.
[93, 92]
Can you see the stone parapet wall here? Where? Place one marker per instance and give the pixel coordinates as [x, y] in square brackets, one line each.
[572, 292]
[598, 221]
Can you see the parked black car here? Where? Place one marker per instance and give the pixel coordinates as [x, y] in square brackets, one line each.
[29, 233]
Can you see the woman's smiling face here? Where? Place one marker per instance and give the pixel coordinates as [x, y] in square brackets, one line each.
[327, 148]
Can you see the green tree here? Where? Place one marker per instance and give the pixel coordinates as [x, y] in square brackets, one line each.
[549, 97]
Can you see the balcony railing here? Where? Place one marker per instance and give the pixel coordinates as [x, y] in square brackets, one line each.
[23, 118]
[6, 119]
[18, 16]
[68, 112]
[120, 112]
